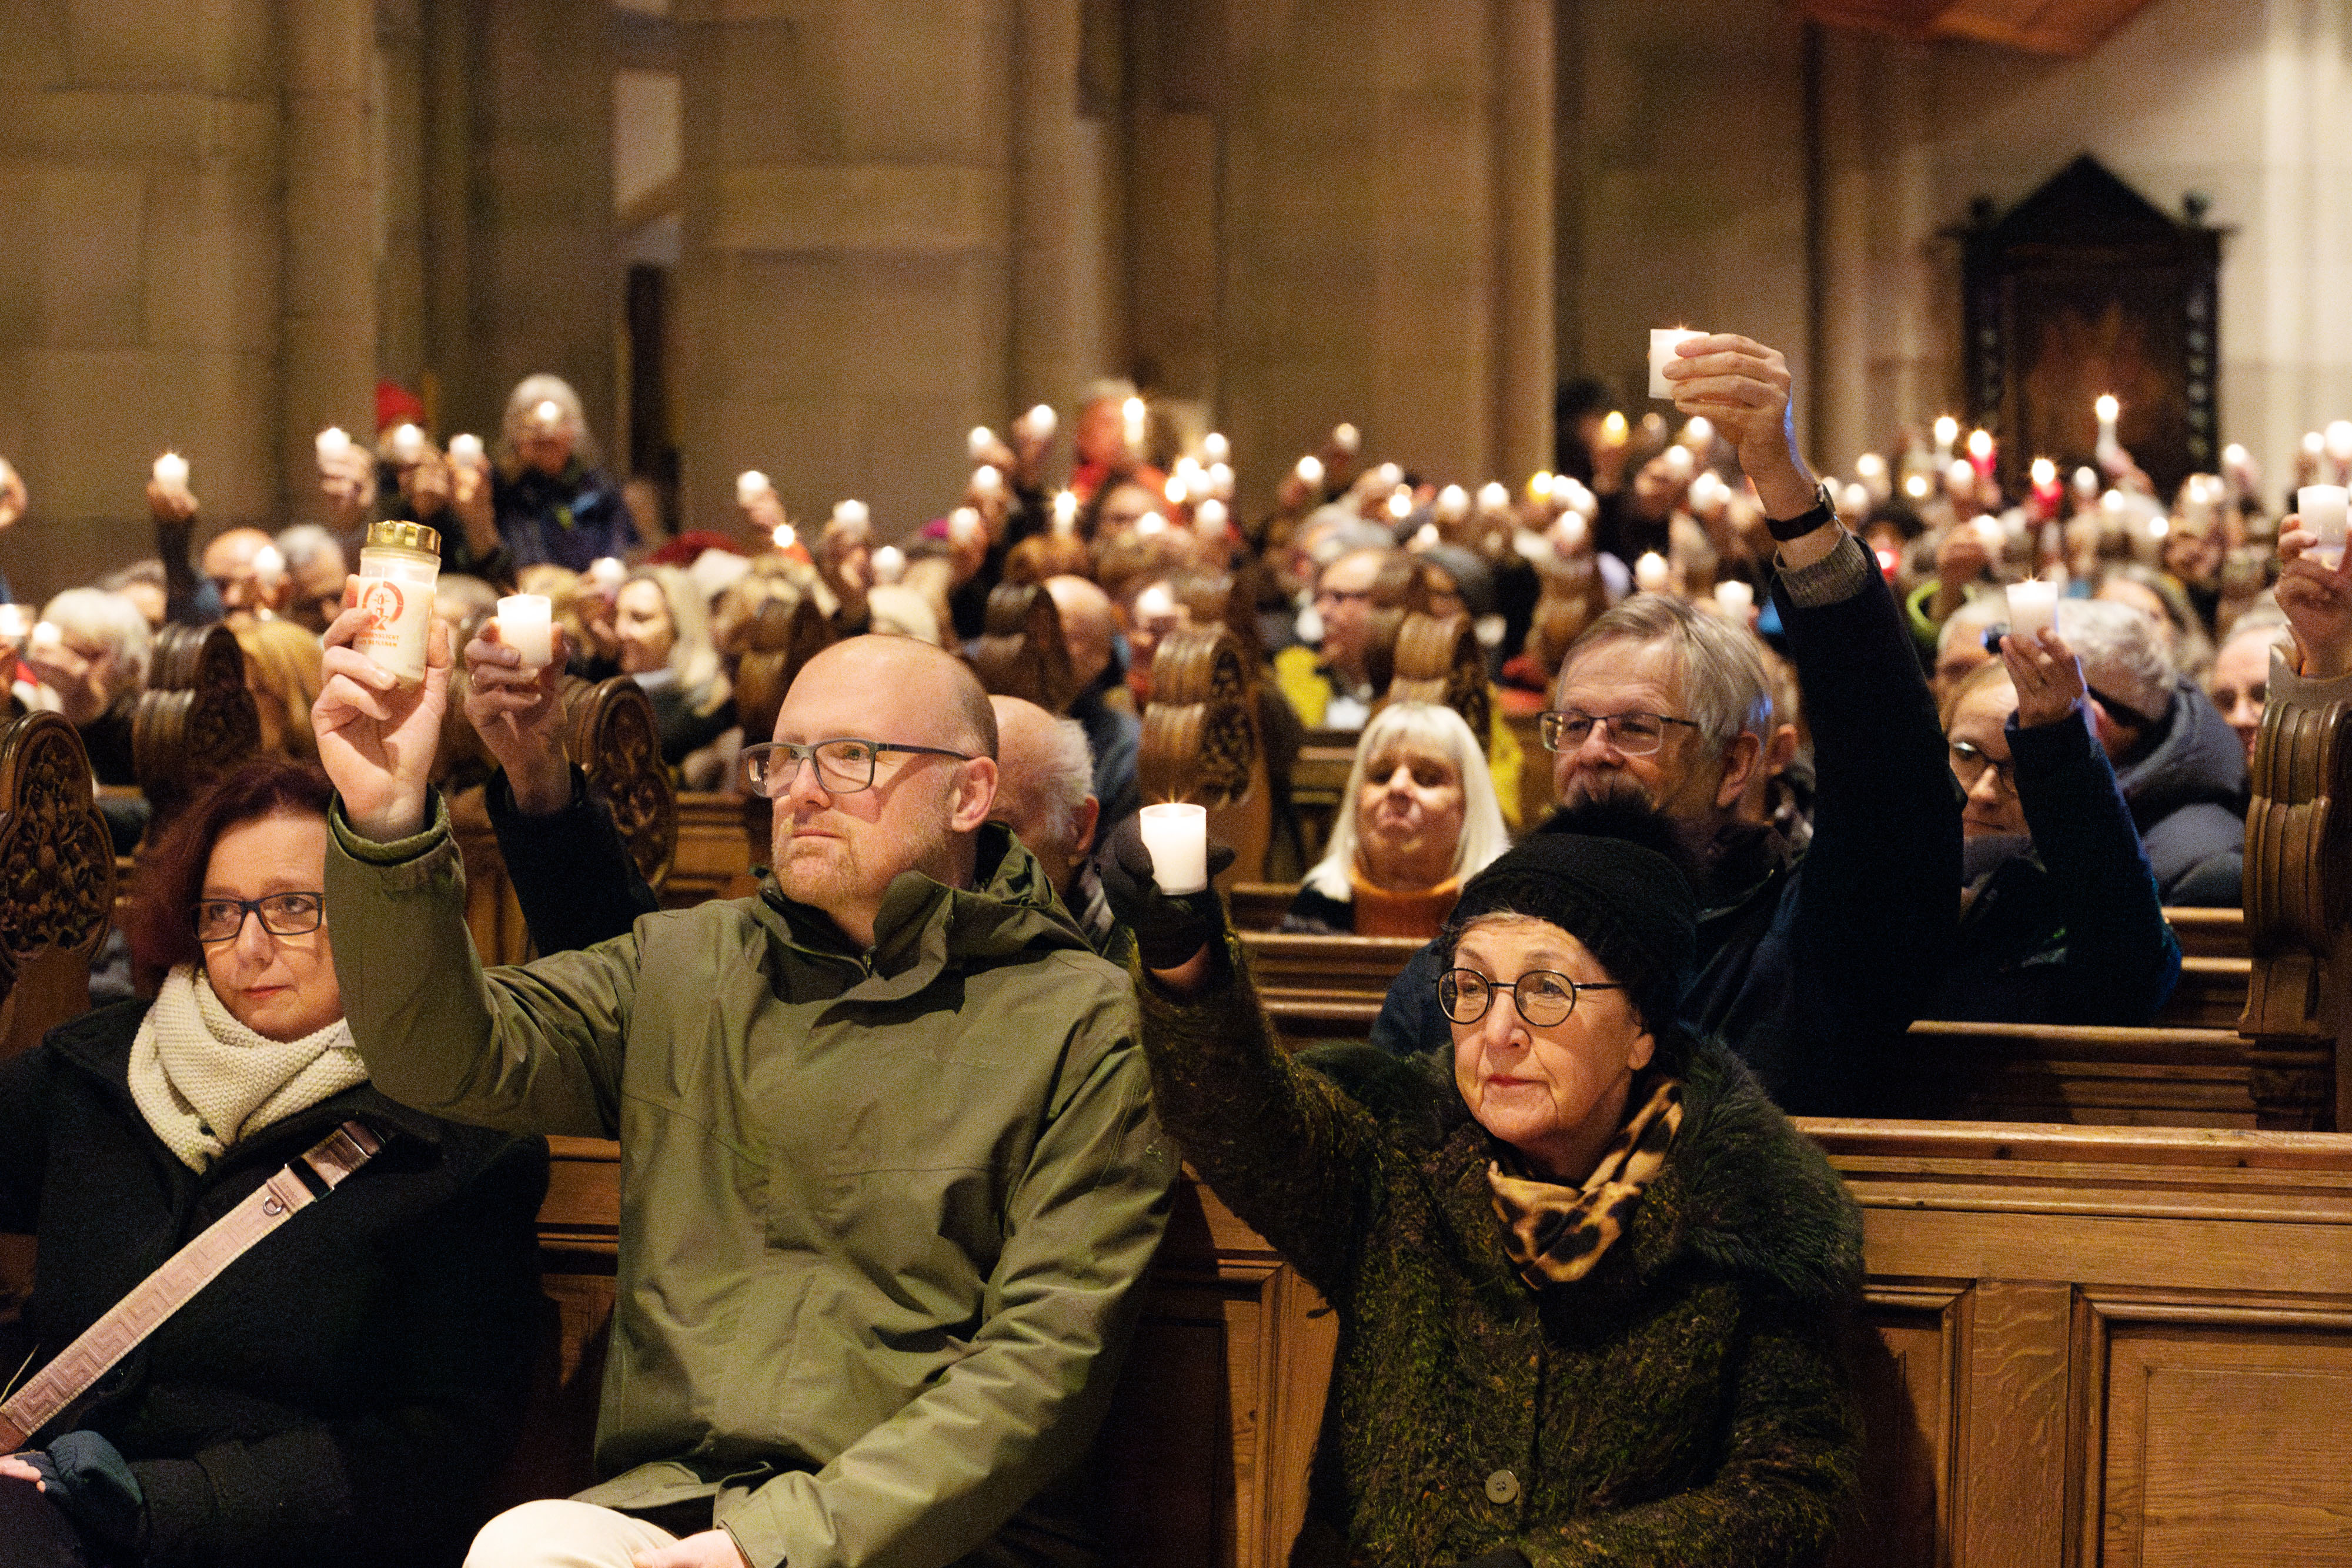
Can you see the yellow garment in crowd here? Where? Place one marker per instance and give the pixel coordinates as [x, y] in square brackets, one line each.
[1309, 691]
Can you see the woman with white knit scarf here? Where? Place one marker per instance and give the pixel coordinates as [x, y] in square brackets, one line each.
[341, 1391]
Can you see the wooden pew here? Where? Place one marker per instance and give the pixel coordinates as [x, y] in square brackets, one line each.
[195, 719]
[2100, 1346]
[1201, 741]
[2077, 1346]
[722, 841]
[57, 878]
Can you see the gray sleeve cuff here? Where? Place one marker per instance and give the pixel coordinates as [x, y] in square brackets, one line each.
[2303, 691]
[1839, 575]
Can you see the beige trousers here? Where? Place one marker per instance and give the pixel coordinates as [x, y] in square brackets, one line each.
[556, 1533]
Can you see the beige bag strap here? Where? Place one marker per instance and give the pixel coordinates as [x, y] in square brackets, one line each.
[169, 1288]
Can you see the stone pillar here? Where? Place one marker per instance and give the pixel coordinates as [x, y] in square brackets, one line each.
[1050, 264]
[844, 281]
[327, 368]
[1526, 367]
[1362, 274]
[140, 168]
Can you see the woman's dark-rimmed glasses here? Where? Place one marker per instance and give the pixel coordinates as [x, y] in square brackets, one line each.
[280, 914]
[1969, 762]
[844, 766]
[1544, 997]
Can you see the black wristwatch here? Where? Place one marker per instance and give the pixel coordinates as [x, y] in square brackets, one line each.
[1823, 510]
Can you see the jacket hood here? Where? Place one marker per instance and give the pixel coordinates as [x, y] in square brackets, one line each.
[2199, 758]
[923, 922]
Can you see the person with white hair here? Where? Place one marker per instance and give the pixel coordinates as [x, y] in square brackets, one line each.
[2238, 678]
[1045, 793]
[552, 502]
[316, 569]
[90, 653]
[2180, 767]
[1421, 818]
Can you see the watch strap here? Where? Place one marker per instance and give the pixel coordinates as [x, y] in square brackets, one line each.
[1823, 510]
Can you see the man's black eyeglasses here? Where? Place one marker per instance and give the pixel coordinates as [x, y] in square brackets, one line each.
[844, 766]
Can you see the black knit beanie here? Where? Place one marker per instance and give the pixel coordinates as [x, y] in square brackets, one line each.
[1629, 905]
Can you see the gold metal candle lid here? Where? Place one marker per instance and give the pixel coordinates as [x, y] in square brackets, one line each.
[403, 536]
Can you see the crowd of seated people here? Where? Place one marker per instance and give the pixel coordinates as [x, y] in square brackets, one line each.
[1859, 799]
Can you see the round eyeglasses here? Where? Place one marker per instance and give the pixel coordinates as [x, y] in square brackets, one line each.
[1634, 734]
[1544, 997]
[844, 766]
[280, 914]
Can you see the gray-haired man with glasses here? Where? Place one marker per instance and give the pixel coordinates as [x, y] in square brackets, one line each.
[1812, 960]
[889, 1163]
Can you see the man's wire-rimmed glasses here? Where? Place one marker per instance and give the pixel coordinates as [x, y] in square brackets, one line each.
[1634, 734]
[280, 914]
[844, 764]
[1544, 997]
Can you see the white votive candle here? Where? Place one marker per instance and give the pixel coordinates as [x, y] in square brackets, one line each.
[979, 442]
[2033, 607]
[1736, 599]
[47, 635]
[171, 469]
[1209, 518]
[1041, 421]
[1065, 513]
[1310, 470]
[1347, 439]
[2320, 508]
[407, 444]
[1216, 448]
[466, 449]
[607, 573]
[750, 485]
[525, 626]
[12, 623]
[890, 565]
[1178, 837]
[1651, 573]
[333, 444]
[1662, 354]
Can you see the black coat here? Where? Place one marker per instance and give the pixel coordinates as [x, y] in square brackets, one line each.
[339, 1395]
[2188, 794]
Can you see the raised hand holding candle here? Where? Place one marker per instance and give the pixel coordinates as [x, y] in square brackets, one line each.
[2033, 607]
[171, 469]
[2320, 508]
[1347, 439]
[1209, 518]
[607, 573]
[1132, 419]
[980, 443]
[1041, 422]
[1736, 599]
[13, 625]
[1651, 572]
[1216, 448]
[1663, 340]
[1947, 430]
[407, 444]
[1310, 471]
[2108, 410]
[890, 565]
[466, 449]
[47, 635]
[750, 485]
[784, 537]
[526, 626]
[332, 445]
[1178, 837]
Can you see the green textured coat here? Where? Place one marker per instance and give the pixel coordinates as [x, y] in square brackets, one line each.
[1685, 1403]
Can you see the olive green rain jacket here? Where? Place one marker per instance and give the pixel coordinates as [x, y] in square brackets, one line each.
[882, 1213]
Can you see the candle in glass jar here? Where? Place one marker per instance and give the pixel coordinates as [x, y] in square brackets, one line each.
[171, 469]
[1663, 340]
[1178, 837]
[2033, 607]
[2320, 508]
[526, 625]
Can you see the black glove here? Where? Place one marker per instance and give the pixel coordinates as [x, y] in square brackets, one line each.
[1501, 1557]
[1169, 929]
[87, 1476]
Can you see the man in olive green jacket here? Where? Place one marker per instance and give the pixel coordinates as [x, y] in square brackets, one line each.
[890, 1169]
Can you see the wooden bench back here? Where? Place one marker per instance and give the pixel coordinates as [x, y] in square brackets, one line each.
[1201, 741]
[196, 720]
[57, 878]
[1439, 662]
[2298, 897]
[782, 638]
[1022, 652]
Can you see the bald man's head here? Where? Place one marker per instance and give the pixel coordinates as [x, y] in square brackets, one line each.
[930, 734]
[1045, 785]
[232, 562]
[1088, 624]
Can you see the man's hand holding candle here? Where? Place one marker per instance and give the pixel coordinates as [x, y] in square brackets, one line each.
[518, 710]
[1743, 387]
[2317, 600]
[376, 739]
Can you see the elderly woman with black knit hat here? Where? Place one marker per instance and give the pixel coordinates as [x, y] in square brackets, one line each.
[1589, 1280]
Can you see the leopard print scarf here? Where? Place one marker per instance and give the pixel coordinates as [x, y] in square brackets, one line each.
[1554, 1234]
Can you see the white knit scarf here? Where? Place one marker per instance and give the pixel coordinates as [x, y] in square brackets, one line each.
[204, 1080]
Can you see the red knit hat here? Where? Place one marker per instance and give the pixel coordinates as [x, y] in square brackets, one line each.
[396, 404]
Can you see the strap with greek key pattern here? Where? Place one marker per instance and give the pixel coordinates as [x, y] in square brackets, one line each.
[169, 1288]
